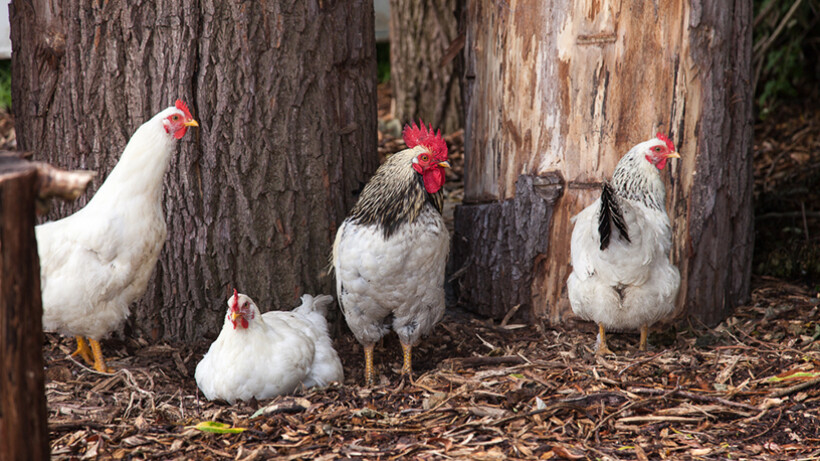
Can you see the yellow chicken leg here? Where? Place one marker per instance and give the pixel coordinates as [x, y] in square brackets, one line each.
[99, 361]
[602, 347]
[83, 351]
[644, 334]
[369, 375]
[407, 355]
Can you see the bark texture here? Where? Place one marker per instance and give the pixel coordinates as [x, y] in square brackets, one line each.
[569, 87]
[285, 96]
[423, 63]
[23, 417]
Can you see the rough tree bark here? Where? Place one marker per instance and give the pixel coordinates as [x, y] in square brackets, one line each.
[422, 62]
[285, 96]
[565, 89]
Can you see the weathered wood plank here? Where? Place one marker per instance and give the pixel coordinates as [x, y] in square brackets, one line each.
[23, 420]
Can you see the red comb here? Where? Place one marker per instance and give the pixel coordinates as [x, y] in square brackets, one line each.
[668, 142]
[184, 108]
[235, 300]
[421, 136]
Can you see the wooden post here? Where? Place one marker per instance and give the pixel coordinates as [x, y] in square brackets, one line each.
[23, 417]
[565, 89]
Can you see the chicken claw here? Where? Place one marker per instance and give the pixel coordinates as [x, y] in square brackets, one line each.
[644, 334]
[602, 348]
[83, 351]
[369, 375]
[407, 365]
[99, 361]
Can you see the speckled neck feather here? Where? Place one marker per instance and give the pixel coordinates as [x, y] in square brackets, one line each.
[638, 180]
[395, 195]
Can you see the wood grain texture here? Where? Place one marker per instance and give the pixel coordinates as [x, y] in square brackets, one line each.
[511, 236]
[23, 418]
[285, 95]
[571, 86]
[424, 79]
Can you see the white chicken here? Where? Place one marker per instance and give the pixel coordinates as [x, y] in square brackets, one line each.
[622, 278]
[265, 355]
[96, 262]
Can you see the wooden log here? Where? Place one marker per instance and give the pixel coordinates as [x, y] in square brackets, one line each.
[23, 421]
[570, 87]
[23, 417]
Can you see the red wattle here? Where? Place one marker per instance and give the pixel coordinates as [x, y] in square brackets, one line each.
[433, 179]
[244, 323]
[181, 132]
[661, 163]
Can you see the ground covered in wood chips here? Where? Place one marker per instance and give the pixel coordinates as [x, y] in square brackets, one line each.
[746, 389]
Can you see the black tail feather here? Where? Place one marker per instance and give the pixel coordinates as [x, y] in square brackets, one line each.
[610, 214]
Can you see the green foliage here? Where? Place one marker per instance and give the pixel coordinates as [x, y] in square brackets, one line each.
[383, 61]
[5, 85]
[786, 50]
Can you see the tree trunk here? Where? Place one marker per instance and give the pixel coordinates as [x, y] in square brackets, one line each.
[565, 89]
[286, 99]
[23, 417]
[422, 62]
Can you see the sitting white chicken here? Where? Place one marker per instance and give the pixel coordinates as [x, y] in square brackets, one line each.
[622, 278]
[265, 355]
[96, 262]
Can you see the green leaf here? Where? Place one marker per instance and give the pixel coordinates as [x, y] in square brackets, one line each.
[517, 375]
[797, 375]
[218, 428]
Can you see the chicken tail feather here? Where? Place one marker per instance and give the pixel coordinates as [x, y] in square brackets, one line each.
[610, 214]
[317, 303]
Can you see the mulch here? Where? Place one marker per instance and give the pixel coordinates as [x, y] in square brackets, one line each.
[482, 389]
[749, 388]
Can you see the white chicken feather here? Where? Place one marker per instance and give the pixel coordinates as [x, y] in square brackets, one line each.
[622, 278]
[265, 355]
[97, 261]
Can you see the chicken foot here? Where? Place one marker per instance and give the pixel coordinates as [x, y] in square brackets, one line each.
[83, 351]
[407, 363]
[99, 361]
[369, 375]
[602, 348]
[644, 334]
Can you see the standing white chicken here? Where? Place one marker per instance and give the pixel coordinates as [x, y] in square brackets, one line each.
[266, 355]
[96, 262]
[622, 278]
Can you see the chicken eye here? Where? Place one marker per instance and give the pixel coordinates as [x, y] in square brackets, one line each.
[657, 149]
[175, 118]
[425, 158]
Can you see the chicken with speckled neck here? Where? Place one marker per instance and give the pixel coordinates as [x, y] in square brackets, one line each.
[622, 278]
[265, 355]
[96, 262]
[389, 254]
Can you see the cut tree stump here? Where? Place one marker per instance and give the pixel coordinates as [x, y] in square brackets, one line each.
[568, 88]
[23, 417]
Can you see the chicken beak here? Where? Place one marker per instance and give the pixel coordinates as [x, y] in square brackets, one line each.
[191, 122]
[673, 155]
[444, 164]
